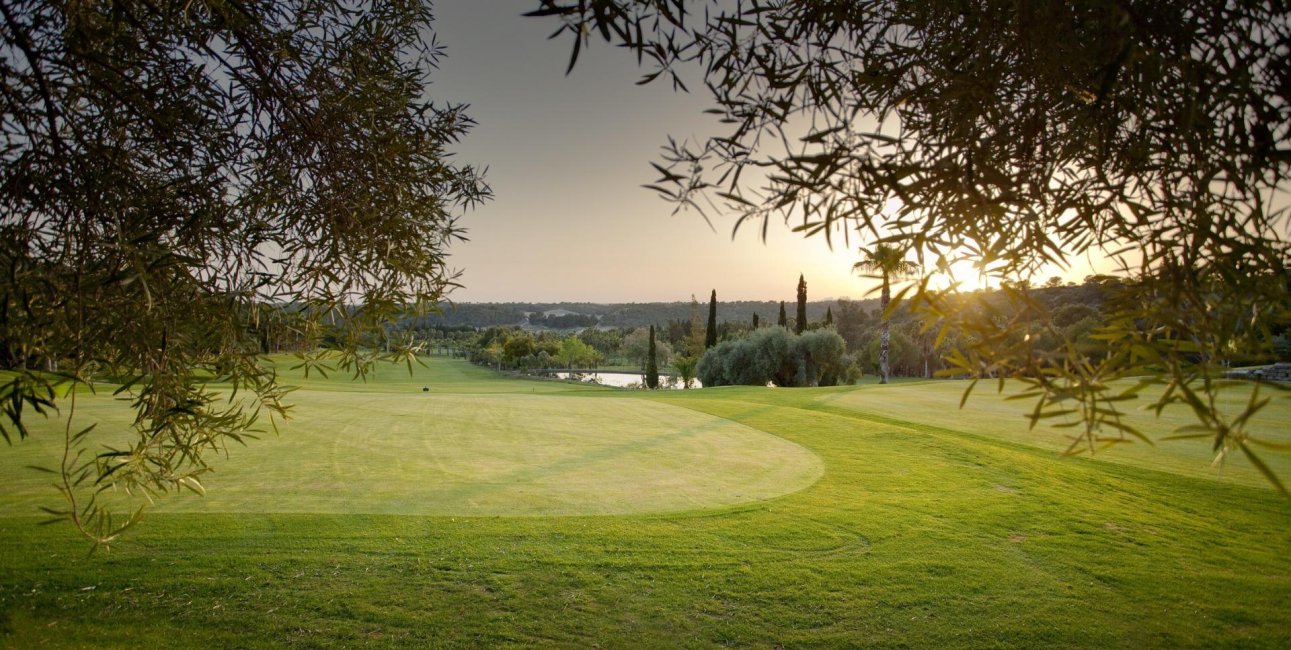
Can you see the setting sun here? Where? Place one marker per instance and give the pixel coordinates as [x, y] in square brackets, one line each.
[963, 275]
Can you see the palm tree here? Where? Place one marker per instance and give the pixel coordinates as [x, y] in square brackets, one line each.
[886, 262]
[686, 368]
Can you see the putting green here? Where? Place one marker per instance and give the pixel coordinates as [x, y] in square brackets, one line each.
[474, 454]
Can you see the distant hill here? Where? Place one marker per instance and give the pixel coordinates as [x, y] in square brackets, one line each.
[564, 315]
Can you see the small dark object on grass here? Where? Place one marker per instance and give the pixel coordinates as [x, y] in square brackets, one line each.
[425, 389]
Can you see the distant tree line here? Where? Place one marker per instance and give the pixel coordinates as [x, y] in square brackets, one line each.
[563, 321]
[838, 346]
[610, 315]
[1074, 310]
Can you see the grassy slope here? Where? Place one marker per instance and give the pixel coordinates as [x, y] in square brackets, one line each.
[989, 413]
[916, 536]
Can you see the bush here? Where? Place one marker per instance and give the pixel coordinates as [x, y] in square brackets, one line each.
[1282, 347]
[774, 355]
[821, 353]
[733, 363]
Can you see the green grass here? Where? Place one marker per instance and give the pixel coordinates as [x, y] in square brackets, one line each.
[991, 414]
[928, 527]
[405, 451]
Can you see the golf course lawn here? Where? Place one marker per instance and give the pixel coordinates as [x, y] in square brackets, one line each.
[490, 511]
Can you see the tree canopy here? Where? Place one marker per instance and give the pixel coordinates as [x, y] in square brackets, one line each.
[776, 355]
[652, 364]
[1015, 136]
[800, 320]
[710, 333]
[178, 176]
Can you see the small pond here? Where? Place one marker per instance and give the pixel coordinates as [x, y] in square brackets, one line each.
[618, 379]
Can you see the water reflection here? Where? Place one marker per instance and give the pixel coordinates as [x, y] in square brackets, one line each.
[618, 379]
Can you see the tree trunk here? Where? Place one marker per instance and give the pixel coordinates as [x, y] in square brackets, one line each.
[885, 337]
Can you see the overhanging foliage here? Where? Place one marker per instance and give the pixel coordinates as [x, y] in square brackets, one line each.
[1015, 135]
[181, 177]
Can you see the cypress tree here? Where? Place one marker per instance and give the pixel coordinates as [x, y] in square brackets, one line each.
[829, 316]
[755, 320]
[710, 337]
[800, 323]
[695, 338]
[784, 320]
[652, 365]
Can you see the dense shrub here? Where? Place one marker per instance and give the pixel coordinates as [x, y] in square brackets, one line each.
[774, 355]
[822, 354]
[1282, 346]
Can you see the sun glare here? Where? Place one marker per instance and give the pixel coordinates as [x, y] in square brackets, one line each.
[964, 275]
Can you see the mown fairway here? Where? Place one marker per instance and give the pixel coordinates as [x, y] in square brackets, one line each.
[392, 448]
[474, 515]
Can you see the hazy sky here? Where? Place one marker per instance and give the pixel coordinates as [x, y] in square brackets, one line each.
[567, 157]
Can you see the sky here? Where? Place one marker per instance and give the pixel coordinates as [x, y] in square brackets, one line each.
[567, 157]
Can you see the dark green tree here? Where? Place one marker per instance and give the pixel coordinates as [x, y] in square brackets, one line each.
[800, 323]
[517, 346]
[652, 364]
[173, 174]
[1013, 135]
[784, 318]
[605, 341]
[829, 316]
[851, 323]
[710, 334]
[755, 320]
